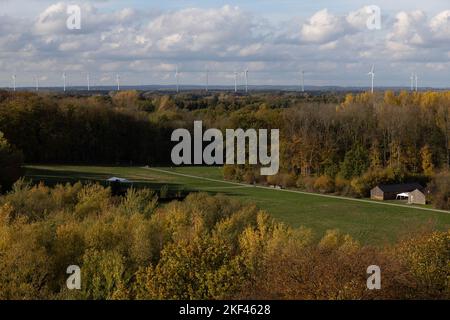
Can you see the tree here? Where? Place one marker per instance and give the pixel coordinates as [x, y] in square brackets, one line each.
[443, 122]
[375, 156]
[440, 189]
[11, 161]
[428, 258]
[355, 163]
[427, 161]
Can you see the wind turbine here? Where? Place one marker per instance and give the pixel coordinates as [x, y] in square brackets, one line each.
[36, 78]
[417, 79]
[372, 74]
[302, 72]
[412, 81]
[88, 82]
[64, 81]
[177, 77]
[14, 81]
[207, 79]
[235, 81]
[246, 80]
[118, 81]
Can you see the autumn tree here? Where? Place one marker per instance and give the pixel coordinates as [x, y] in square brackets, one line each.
[427, 161]
[443, 122]
[440, 188]
[11, 161]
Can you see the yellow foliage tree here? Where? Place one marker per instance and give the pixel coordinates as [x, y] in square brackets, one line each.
[427, 161]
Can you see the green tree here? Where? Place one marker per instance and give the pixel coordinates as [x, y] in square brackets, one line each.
[11, 161]
[355, 163]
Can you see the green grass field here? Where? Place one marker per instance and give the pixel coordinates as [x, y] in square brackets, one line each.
[368, 221]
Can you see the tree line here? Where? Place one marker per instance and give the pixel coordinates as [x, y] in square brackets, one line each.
[335, 143]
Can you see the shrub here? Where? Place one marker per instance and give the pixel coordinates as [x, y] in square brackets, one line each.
[342, 185]
[305, 183]
[324, 184]
[164, 192]
[273, 180]
[249, 177]
[229, 172]
[287, 180]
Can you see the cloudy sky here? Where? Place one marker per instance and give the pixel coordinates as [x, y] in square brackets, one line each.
[144, 41]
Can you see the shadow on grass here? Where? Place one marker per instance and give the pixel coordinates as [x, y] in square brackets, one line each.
[53, 177]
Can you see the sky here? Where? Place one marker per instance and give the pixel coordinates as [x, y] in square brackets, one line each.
[333, 42]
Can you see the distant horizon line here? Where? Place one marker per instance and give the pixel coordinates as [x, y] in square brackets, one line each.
[187, 87]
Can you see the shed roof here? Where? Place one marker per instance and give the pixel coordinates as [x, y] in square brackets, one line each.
[402, 187]
[418, 191]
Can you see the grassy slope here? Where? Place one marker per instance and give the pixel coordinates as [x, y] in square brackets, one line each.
[371, 223]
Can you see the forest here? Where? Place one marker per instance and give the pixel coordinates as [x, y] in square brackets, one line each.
[131, 246]
[330, 142]
[204, 247]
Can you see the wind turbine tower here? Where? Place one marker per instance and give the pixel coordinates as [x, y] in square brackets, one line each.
[246, 80]
[177, 77]
[36, 78]
[235, 81]
[302, 72]
[118, 81]
[372, 74]
[88, 82]
[412, 81]
[207, 79]
[417, 80]
[14, 81]
[64, 81]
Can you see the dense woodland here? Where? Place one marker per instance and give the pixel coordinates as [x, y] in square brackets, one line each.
[212, 247]
[332, 143]
[206, 247]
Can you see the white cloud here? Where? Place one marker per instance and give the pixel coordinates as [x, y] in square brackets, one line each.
[440, 26]
[54, 18]
[323, 27]
[409, 27]
[358, 19]
[225, 38]
[197, 30]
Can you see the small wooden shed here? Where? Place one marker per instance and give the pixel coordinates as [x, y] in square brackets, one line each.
[417, 197]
